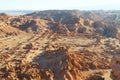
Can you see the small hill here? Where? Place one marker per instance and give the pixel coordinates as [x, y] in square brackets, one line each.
[5, 28]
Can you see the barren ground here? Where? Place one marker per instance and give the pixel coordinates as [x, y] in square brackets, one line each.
[14, 49]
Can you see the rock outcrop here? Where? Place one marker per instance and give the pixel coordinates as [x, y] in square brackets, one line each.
[58, 45]
[63, 64]
[29, 24]
[115, 65]
[51, 65]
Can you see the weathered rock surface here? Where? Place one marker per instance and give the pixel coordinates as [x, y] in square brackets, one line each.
[63, 64]
[51, 65]
[115, 65]
[58, 45]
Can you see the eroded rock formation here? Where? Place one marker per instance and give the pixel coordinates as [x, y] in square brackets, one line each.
[63, 64]
[115, 65]
[51, 65]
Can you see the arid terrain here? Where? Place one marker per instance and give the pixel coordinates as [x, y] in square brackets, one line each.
[60, 45]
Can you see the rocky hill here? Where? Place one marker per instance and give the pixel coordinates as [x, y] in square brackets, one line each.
[66, 22]
[104, 23]
[59, 45]
[5, 28]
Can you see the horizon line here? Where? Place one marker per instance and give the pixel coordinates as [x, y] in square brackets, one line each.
[59, 9]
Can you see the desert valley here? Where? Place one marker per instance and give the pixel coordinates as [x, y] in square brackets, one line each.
[60, 45]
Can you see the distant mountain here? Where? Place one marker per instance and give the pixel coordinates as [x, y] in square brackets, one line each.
[67, 22]
[98, 21]
[16, 12]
